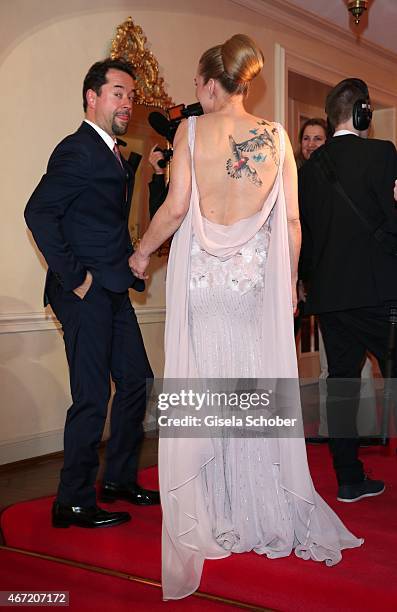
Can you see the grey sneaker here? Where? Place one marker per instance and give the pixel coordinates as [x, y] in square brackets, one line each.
[355, 492]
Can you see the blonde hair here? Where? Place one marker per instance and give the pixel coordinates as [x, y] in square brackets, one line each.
[234, 64]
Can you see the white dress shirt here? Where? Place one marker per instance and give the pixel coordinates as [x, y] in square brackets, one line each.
[344, 132]
[104, 135]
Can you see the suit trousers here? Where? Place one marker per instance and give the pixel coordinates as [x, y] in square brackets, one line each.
[102, 340]
[347, 336]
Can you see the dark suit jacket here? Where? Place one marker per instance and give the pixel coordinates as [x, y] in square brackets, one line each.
[344, 264]
[158, 191]
[78, 214]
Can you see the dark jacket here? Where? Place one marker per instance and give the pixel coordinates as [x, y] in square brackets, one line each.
[158, 192]
[78, 214]
[344, 264]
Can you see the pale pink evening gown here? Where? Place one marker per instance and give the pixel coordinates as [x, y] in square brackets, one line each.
[229, 315]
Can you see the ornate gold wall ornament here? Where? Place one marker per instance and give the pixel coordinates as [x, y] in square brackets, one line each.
[130, 44]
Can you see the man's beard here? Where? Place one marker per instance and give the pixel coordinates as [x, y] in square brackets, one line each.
[117, 129]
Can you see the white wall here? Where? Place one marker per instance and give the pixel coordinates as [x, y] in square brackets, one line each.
[46, 48]
[45, 53]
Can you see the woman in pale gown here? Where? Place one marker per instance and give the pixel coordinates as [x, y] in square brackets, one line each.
[231, 278]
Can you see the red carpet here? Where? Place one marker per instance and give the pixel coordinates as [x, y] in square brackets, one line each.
[365, 579]
[88, 590]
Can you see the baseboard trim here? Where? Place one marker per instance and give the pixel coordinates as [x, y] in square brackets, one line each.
[11, 323]
[30, 462]
[43, 445]
[36, 445]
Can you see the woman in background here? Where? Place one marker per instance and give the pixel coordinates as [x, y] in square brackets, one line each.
[312, 135]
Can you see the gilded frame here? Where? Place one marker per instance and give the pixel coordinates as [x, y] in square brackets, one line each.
[130, 43]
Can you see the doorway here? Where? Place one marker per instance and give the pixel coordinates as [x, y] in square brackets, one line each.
[306, 98]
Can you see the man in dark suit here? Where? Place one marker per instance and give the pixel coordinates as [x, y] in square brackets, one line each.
[78, 215]
[351, 273]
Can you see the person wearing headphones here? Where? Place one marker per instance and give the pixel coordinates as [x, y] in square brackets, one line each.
[349, 226]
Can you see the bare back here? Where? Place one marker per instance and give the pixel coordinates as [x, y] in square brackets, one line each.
[236, 161]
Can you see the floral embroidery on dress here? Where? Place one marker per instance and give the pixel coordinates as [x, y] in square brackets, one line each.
[242, 272]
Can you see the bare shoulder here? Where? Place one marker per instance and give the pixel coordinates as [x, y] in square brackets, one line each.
[208, 119]
[208, 128]
[181, 132]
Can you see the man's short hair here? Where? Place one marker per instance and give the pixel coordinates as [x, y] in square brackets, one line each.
[96, 76]
[341, 99]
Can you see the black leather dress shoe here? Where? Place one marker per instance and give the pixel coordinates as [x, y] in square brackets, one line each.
[131, 493]
[65, 516]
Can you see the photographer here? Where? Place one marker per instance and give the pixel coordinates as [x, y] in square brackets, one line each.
[159, 158]
[158, 188]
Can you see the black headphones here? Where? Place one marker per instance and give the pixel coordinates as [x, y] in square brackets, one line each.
[362, 111]
[362, 114]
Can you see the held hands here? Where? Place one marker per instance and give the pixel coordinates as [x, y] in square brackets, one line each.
[138, 264]
[82, 289]
[395, 190]
[154, 158]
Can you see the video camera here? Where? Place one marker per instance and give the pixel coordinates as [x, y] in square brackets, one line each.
[168, 127]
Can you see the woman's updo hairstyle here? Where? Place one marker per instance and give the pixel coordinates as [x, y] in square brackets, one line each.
[234, 64]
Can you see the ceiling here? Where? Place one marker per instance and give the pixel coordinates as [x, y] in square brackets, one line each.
[378, 25]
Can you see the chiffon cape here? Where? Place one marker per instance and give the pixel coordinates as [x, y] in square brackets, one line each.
[187, 538]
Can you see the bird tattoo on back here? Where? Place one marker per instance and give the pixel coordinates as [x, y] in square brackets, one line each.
[239, 166]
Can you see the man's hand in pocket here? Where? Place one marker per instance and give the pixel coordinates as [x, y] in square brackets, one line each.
[82, 289]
